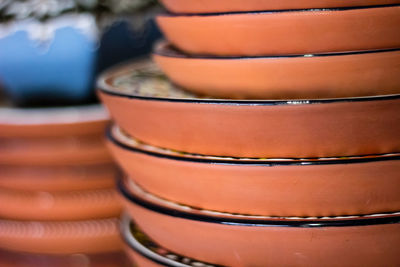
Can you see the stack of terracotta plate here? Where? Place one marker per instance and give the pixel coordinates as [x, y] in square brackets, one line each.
[273, 139]
[58, 205]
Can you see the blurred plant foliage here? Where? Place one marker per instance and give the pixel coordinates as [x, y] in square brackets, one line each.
[42, 10]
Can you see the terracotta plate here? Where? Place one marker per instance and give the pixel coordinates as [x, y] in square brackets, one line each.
[212, 6]
[307, 31]
[258, 187]
[360, 241]
[18, 259]
[294, 77]
[147, 253]
[98, 236]
[50, 151]
[74, 205]
[46, 122]
[152, 110]
[57, 178]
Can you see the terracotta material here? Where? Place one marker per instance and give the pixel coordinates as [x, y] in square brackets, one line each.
[146, 253]
[141, 261]
[274, 188]
[343, 75]
[75, 205]
[67, 150]
[262, 129]
[280, 33]
[57, 178]
[15, 259]
[98, 236]
[140, 255]
[50, 122]
[212, 6]
[360, 241]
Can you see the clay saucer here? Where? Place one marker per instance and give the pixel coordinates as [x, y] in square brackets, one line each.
[66, 150]
[360, 241]
[212, 6]
[18, 259]
[74, 205]
[307, 31]
[147, 253]
[97, 236]
[57, 178]
[325, 187]
[285, 77]
[51, 122]
[152, 110]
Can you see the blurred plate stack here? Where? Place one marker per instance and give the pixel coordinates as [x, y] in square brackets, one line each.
[271, 140]
[58, 204]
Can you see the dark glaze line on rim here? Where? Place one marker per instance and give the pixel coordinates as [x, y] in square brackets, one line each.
[127, 237]
[108, 89]
[170, 14]
[271, 163]
[140, 250]
[365, 221]
[128, 225]
[167, 50]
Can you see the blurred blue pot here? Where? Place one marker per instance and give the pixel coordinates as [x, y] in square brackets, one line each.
[52, 62]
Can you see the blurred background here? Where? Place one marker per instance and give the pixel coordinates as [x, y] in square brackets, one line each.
[58, 205]
[52, 50]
